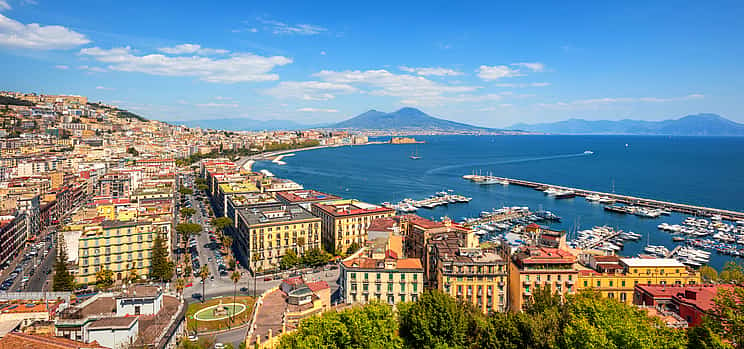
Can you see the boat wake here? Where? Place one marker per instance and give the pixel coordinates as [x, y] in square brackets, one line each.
[513, 161]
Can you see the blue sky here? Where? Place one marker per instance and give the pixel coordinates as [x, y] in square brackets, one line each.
[487, 63]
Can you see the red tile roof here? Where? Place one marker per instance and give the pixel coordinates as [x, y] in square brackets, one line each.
[317, 286]
[15, 340]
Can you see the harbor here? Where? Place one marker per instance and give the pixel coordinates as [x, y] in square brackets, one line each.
[441, 198]
[632, 201]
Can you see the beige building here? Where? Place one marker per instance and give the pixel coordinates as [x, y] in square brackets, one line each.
[345, 222]
[266, 231]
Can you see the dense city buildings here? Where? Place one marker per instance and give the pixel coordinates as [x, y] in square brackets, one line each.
[533, 267]
[345, 222]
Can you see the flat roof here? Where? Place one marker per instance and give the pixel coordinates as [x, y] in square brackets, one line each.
[651, 262]
[114, 322]
[276, 213]
[306, 195]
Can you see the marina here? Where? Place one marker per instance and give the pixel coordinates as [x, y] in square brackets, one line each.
[441, 198]
[656, 206]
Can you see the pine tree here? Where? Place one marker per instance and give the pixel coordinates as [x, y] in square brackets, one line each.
[63, 280]
[161, 267]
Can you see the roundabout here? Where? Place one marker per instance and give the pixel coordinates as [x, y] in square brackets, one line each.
[220, 311]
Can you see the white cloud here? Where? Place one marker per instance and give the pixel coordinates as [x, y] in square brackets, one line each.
[281, 28]
[104, 88]
[496, 72]
[435, 71]
[614, 100]
[310, 90]
[62, 66]
[238, 67]
[92, 69]
[322, 53]
[523, 85]
[33, 36]
[217, 105]
[4, 5]
[317, 110]
[192, 48]
[221, 98]
[440, 100]
[534, 66]
[385, 83]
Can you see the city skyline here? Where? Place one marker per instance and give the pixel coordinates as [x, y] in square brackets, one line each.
[485, 64]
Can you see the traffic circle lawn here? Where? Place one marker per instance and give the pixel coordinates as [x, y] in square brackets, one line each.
[219, 314]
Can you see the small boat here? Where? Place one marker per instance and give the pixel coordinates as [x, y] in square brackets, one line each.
[588, 152]
[678, 239]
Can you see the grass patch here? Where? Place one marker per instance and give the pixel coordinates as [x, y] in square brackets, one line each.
[201, 326]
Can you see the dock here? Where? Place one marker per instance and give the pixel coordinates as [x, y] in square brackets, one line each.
[631, 200]
[673, 252]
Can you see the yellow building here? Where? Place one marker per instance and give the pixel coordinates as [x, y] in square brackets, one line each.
[266, 231]
[616, 278]
[345, 222]
[119, 246]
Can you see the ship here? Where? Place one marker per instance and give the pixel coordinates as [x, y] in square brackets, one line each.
[616, 208]
[415, 155]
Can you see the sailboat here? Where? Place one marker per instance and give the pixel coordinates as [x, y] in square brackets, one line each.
[415, 155]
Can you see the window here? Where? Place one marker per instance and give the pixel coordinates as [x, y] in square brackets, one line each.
[390, 287]
[622, 283]
[599, 283]
[586, 283]
[611, 282]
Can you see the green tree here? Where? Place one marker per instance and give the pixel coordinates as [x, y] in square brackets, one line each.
[371, 326]
[63, 280]
[204, 274]
[704, 336]
[186, 229]
[220, 223]
[598, 322]
[289, 259]
[104, 278]
[727, 316]
[187, 212]
[315, 256]
[732, 272]
[200, 181]
[161, 269]
[180, 285]
[708, 273]
[202, 187]
[185, 191]
[437, 320]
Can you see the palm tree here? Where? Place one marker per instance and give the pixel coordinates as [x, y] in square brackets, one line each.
[235, 277]
[180, 283]
[133, 276]
[204, 274]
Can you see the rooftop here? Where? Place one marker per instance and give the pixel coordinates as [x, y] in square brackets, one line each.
[309, 195]
[278, 213]
[350, 207]
[700, 296]
[140, 291]
[380, 264]
[113, 322]
[17, 340]
[544, 255]
[651, 262]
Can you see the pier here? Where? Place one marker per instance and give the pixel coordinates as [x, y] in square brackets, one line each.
[630, 200]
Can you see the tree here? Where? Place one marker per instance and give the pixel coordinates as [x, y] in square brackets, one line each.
[202, 187]
[704, 336]
[235, 277]
[132, 151]
[187, 269]
[597, 322]
[727, 316]
[732, 272]
[104, 278]
[371, 326]
[204, 274]
[200, 181]
[301, 244]
[315, 256]
[187, 212]
[353, 248]
[708, 273]
[161, 269]
[63, 280]
[289, 259]
[220, 223]
[133, 276]
[185, 191]
[186, 229]
[436, 320]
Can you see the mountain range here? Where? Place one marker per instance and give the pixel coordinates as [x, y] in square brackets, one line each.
[406, 119]
[690, 125]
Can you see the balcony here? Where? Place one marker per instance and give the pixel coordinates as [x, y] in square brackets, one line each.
[527, 293]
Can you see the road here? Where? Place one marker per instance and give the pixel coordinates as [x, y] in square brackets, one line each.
[34, 267]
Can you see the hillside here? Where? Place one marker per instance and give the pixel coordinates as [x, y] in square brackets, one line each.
[243, 124]
[690, 125]
[405, 119]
